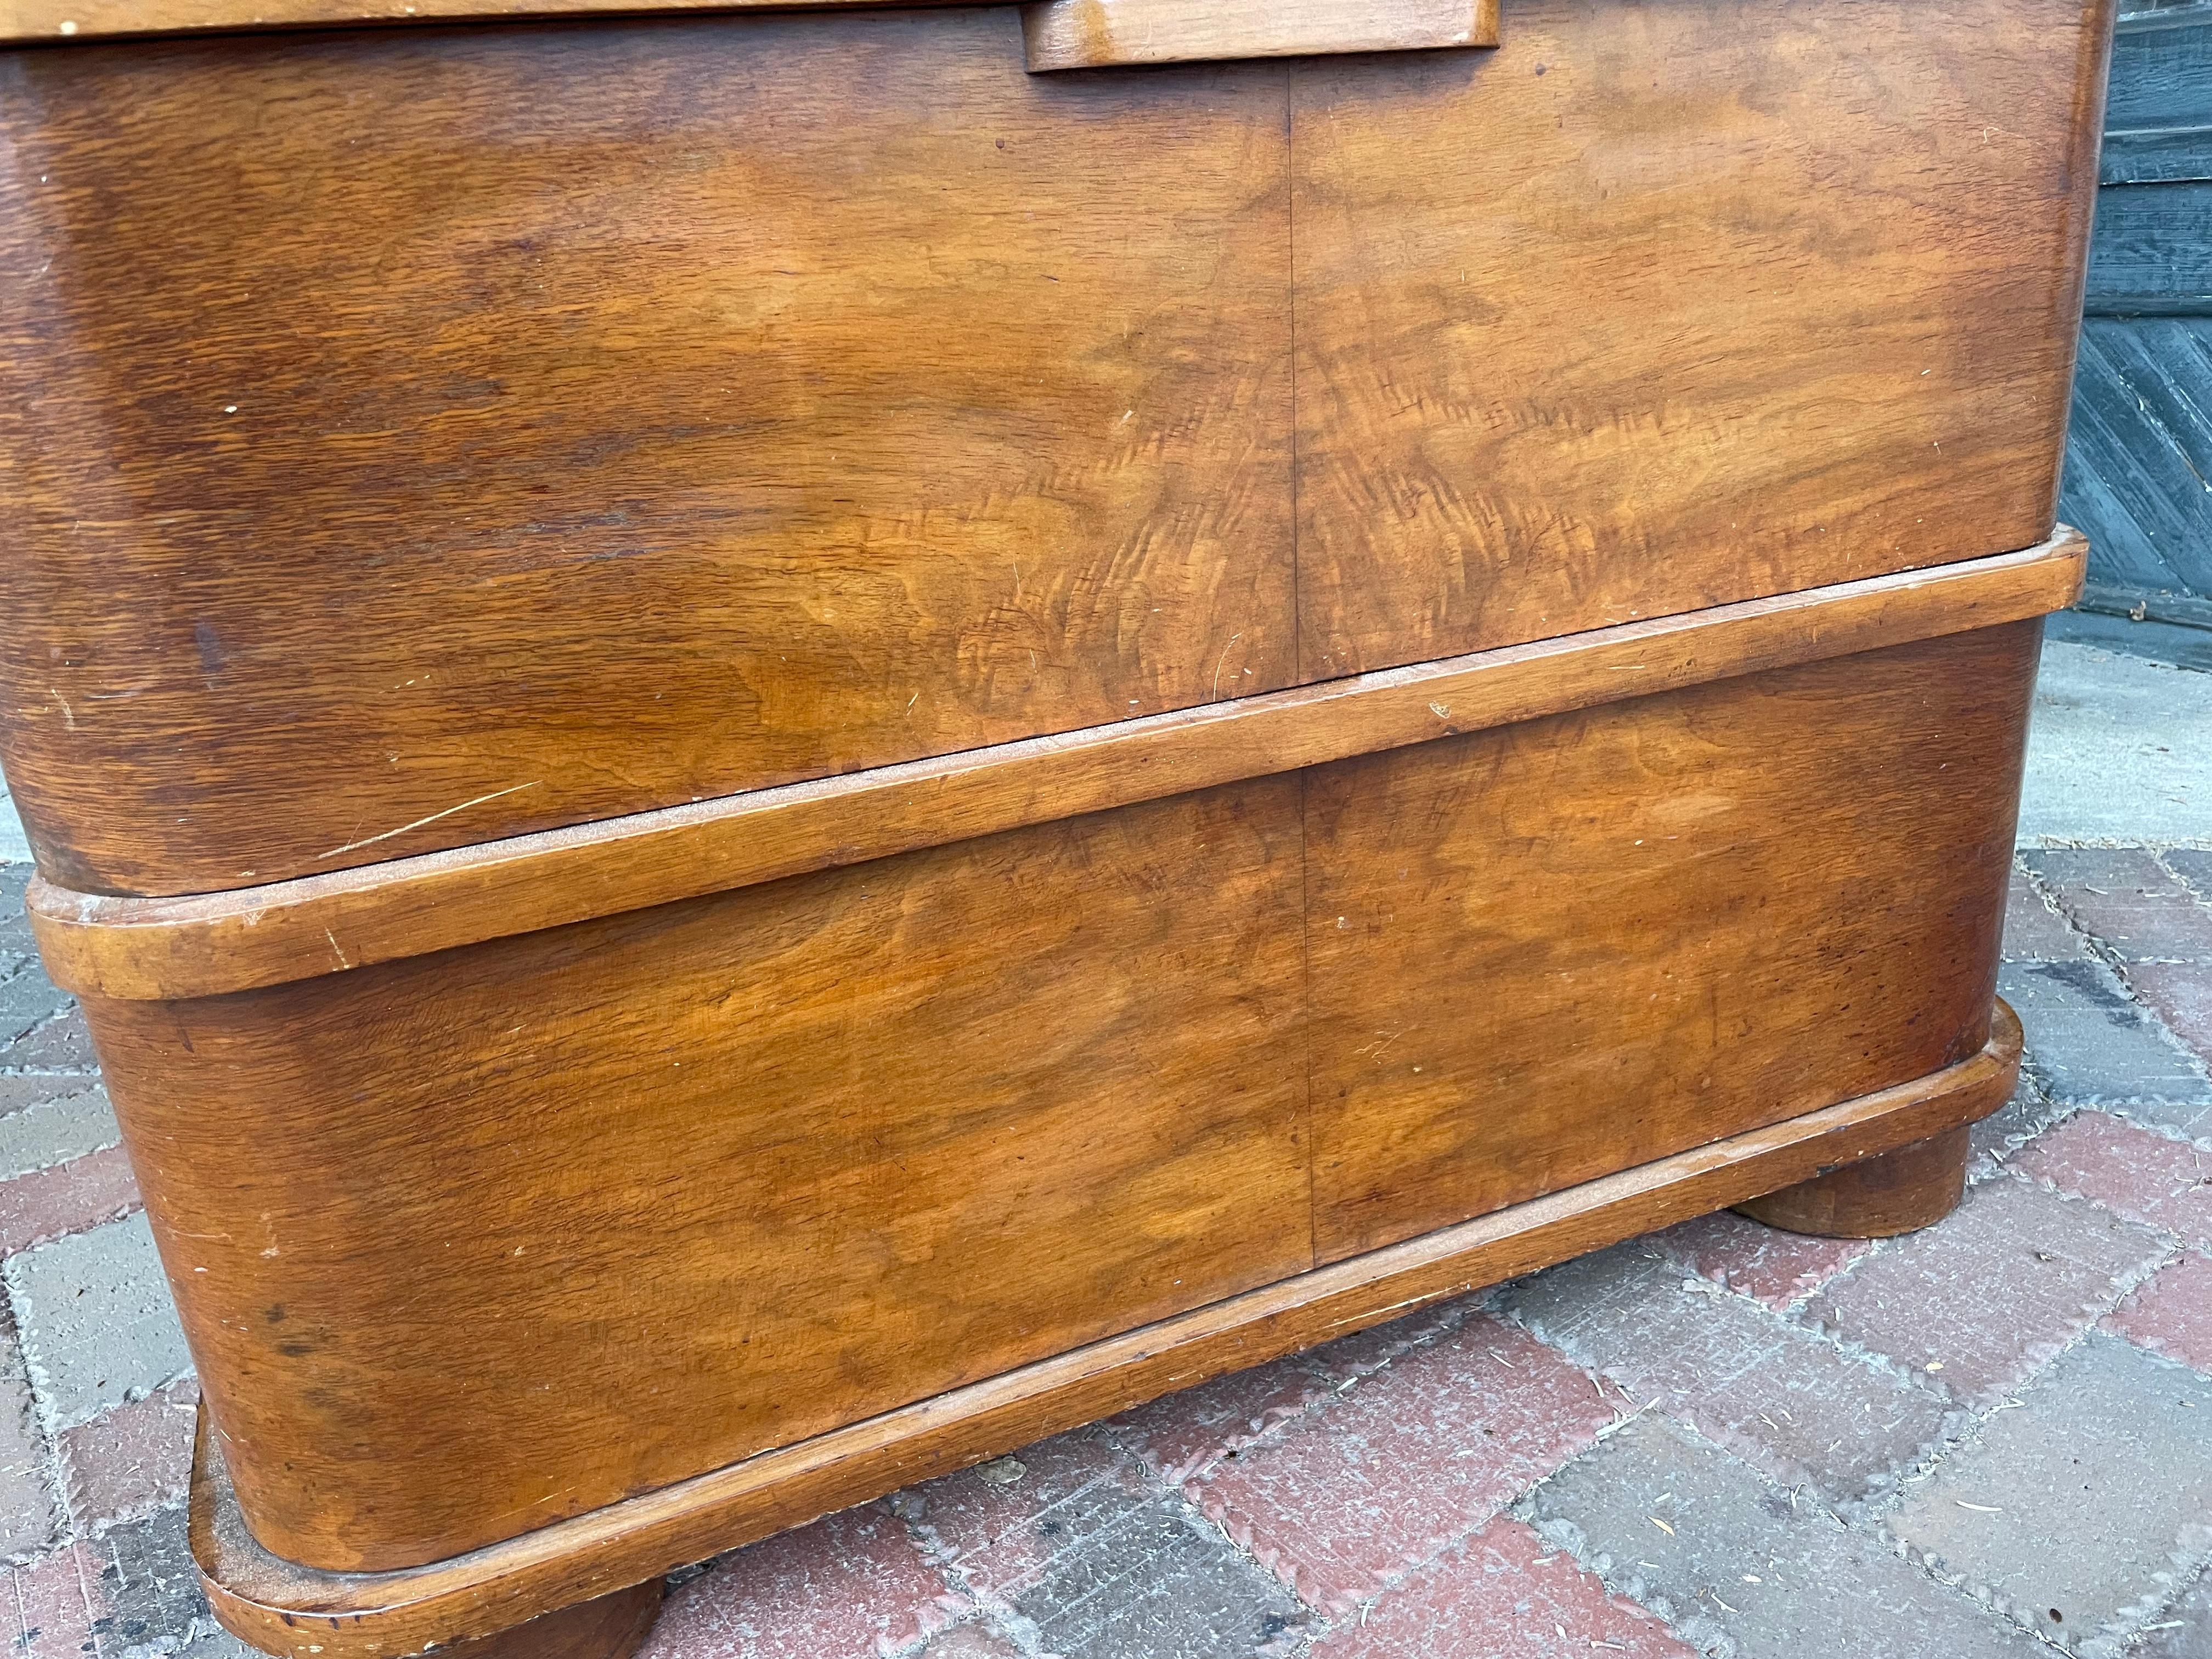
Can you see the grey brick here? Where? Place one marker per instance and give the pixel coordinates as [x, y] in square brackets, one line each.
[29, 1517]
[2195, 868]
[1084, 1559]
[98, 1325]
[20, 1089]
[15, 942]
[1157, 1580]
[152, 1596]
[2090, 1044]
[1980, 1302]
[2128, 901]
[2083, 1511]
[1671, 1521]
[62, 1044]
[1087, 1560]
[1994, 1140]
[55, 1131]
[28, 1001]
[2033, 931]
[1773, 1394]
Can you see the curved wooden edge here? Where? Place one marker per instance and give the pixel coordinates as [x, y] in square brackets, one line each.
[1068, 34]
[289, 1609]
[29, 22]
[163, 949]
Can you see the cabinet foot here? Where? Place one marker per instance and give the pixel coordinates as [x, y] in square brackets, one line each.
[1900, 1192]
[612, 1628]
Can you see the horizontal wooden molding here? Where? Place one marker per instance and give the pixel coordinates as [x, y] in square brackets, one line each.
[161, 949]
[289, 1609]
[1067, 35]
[47, 20]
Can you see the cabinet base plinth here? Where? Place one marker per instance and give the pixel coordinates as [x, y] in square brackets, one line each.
[612, 1627]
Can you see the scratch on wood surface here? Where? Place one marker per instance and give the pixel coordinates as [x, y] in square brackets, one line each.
[1218, 666]
[371, 841]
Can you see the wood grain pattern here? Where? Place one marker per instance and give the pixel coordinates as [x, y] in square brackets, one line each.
[86, 21]
[157, 948]
[279, 1607]
[422, 436]
[1900, 1192]
[604, 462]
[1655, 308]
[1541, 952]
[1068, 34]
[740, 1171]
[612, 1627]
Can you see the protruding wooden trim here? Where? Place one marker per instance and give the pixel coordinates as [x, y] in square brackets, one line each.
[289, 1609]
[53, 21]
[161, 949]
[1067, 35]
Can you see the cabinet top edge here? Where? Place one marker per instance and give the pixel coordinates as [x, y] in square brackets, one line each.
[67, 22]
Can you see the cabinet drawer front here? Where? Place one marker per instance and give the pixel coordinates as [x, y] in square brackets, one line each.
[1663, 305]
[437, 435]
[735, 1172]
[1560, 949]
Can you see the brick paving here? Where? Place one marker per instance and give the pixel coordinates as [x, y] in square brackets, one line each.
[1992, 1438]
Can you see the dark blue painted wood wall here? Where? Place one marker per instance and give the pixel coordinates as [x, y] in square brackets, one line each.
[2139, 467]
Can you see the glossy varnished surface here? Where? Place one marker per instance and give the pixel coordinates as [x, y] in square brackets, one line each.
[428, 435]
[155, 949]
[1545, 952]
[1662, 306]
[311, 1615]
[469, 1243]
[773, 757]
[827, 1145]
[484, 429]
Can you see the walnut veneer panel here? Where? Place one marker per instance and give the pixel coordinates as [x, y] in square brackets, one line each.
[89, 19]
[735, 1172]
[418, 436]
[1662, 306]
[1562, 948]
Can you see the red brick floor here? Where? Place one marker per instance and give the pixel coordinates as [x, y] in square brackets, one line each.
[1720, 1439]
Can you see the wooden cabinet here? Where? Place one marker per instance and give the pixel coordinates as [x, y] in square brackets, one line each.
[887, 728]
[493, 430]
